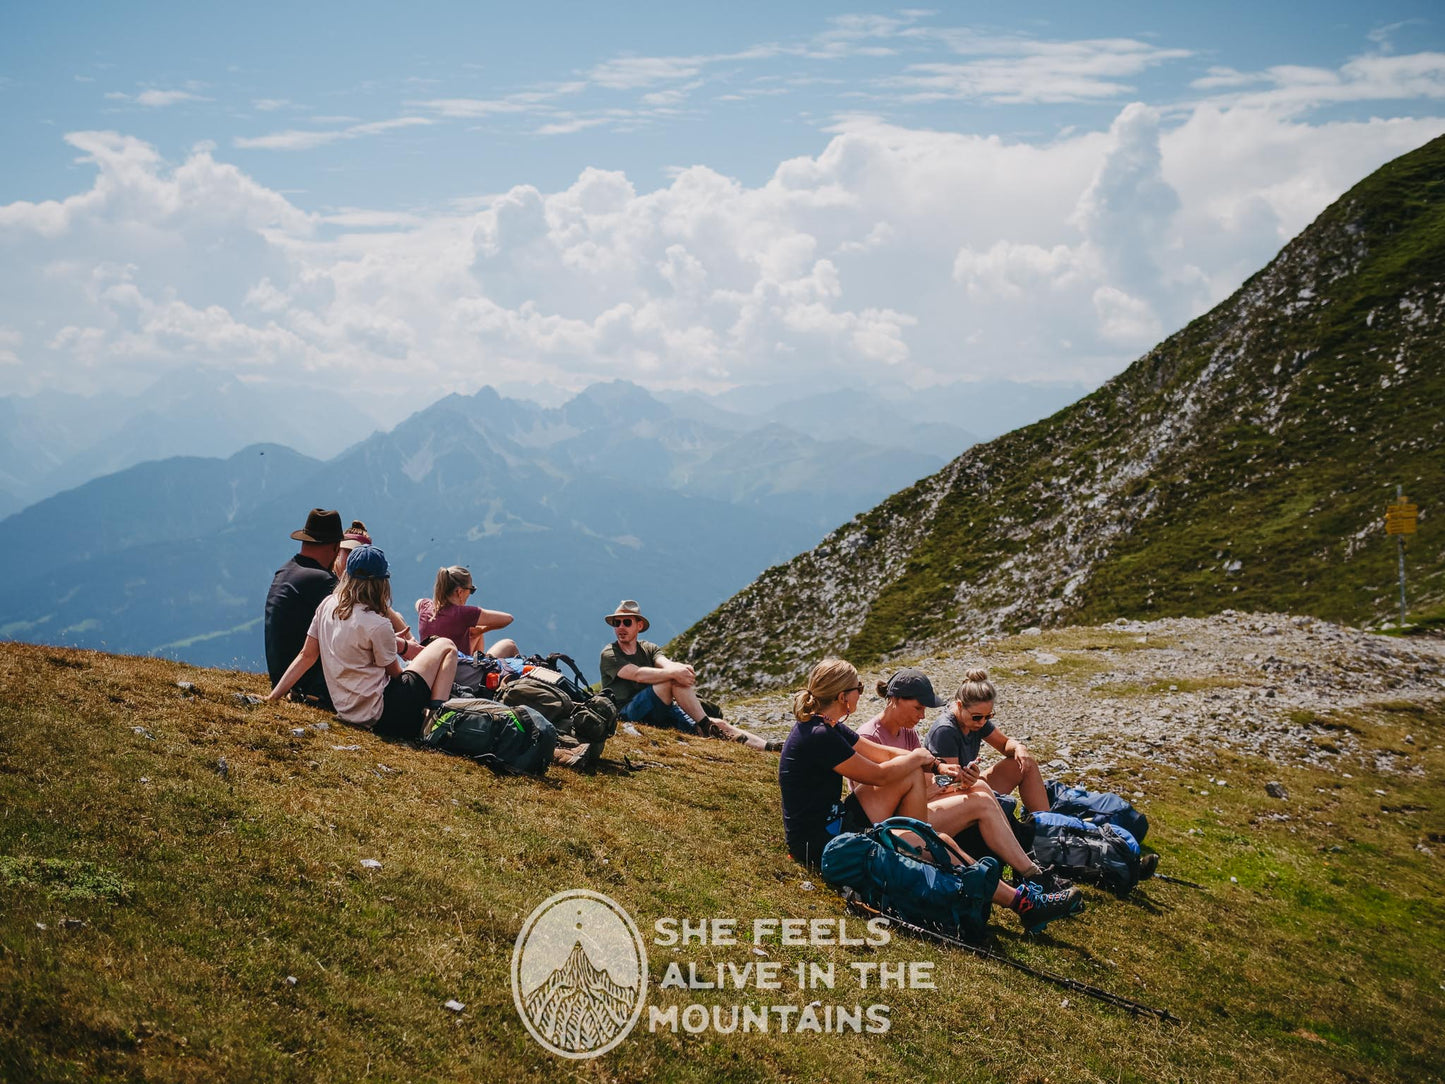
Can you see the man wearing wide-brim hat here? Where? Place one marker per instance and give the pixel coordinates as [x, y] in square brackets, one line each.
[650, 688]
[296, 590]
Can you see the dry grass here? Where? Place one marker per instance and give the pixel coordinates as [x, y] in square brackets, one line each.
[1313, 952]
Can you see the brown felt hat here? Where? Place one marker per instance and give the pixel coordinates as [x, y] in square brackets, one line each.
[321, 526]
[628, 608]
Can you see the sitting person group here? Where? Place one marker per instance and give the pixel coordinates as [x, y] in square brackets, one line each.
[892, 774]
[333, 640]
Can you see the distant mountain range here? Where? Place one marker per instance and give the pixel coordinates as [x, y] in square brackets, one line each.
[559, 513]
[1246, 462]
[53, 442]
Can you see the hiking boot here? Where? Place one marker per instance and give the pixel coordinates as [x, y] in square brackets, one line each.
[1049, 880]
[1037, 908]
[1148, 866]
[772, 746]
[720, 729]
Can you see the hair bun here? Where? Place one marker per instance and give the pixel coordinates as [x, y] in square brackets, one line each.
[976, 675]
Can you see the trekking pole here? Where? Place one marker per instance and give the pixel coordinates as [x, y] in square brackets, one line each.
[1137, 1008]
[1176, 881]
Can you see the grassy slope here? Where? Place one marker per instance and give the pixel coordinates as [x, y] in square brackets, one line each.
[1282, 460]
[199, 894]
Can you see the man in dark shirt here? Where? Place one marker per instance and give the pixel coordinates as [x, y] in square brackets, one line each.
[297, 589]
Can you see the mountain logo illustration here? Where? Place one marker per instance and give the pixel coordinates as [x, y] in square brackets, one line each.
[579, 974]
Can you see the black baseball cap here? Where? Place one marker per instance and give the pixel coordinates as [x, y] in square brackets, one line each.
[911, 684]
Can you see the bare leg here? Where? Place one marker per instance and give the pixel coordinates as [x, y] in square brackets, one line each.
[685, 696]
[437, 666]
[504, 649]
[955, 812]
[904, 797]
[1004, 776]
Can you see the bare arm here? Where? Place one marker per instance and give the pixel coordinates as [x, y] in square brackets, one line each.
[492, 619]
[862, 770]
[879, 754]
[1011, 747]
[665, 670]
[304, 660]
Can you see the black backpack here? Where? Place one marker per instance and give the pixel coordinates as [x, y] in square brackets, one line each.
[580, 717]
[1102, 854]
[477, 677]
[515, 739]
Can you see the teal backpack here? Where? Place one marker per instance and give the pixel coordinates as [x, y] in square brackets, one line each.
[930, 889]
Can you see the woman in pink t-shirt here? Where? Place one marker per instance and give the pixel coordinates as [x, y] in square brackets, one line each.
[447, 613]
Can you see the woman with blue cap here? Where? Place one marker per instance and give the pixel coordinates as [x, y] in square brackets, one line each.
[354, 639]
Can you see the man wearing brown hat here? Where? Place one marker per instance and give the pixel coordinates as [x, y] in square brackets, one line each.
[297, 589]
[648, 687]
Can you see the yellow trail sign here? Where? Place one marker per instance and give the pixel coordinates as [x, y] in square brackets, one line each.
[1401, 518]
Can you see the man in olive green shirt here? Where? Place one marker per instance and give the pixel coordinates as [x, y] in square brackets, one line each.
[650, 688]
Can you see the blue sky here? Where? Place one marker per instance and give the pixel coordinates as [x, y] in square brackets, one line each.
[688, 195]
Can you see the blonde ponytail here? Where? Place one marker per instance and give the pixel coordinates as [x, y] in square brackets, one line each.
[827, 681]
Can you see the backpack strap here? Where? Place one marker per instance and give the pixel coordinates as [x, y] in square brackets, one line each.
[555, 657]
[885, 833]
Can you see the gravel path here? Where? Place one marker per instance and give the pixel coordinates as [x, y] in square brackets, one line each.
[1178, 689]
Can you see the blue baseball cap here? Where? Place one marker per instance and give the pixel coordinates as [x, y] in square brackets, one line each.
[367, 563]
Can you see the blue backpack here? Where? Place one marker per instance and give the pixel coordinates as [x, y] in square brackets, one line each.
[895, 876]
[1097, 807]
[1103, 854]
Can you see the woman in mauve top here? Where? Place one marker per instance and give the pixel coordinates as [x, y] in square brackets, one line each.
[447, 613]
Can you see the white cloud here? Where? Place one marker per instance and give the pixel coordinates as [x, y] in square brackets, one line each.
[1372, 78]
[926, 255]
[10, 341]
[157, 99]
[1023, 70]
[305, 139]
[630, 72]
[473, 107]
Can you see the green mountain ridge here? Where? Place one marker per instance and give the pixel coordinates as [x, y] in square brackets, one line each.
[1245, 462]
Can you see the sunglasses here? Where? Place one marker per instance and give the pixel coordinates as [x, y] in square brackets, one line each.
[619, 621]
[982, 718]
[472, 589]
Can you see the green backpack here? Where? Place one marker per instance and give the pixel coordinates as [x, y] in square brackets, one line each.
[572, 709]
[517, 739]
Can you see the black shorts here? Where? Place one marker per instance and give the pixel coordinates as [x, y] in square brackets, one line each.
[404, 704]
[846, 816]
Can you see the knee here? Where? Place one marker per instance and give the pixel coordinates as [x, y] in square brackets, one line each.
[441, 644]
[504, 649]
[663, 691]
